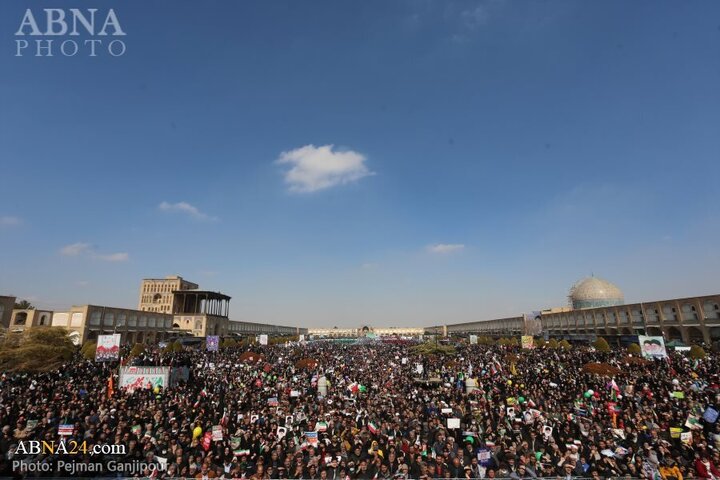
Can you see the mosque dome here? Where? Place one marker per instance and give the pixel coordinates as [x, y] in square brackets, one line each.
[592, 292]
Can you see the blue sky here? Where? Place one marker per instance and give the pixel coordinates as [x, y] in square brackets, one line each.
[383, 162]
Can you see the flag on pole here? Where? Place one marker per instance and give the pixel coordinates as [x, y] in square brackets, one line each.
[373, 428]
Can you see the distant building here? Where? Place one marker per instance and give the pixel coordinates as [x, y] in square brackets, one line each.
[366, 330]
[593, 292]
[168, 308]
[598, 308]
[201, 312]
[7, 304]
[156, 294]
[26, 318]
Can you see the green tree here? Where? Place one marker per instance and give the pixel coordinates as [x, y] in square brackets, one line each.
[137, 349]
[431, 348]
[634, 349]
[565, 345]
[601, 345]
[552, 343]
[228, 343]
[173, 347]
[88, 350]
[38, 349]
[24, 305]
[697, 352]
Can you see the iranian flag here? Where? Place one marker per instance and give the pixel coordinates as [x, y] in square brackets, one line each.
[615, 390]
[321, 427]
[373, 428]
[354, 387]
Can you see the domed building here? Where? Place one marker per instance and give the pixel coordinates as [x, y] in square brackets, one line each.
[593, 292]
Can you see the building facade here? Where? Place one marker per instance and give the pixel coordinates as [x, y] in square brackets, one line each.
[7, 304]
[365, 330]
[691, 320]
[156, 294]
[168, 308]
[22, 319]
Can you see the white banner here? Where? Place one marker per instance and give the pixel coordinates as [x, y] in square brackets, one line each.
[132, 378]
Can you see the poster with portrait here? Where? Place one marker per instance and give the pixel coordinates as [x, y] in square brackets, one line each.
[527, 342]
[212, 343]
[108, 348]
[652, 347]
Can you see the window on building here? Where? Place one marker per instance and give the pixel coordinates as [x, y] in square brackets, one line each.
[21, 318]
[688, 312]
[711, 310]
[95, 318]
[109, 319]
[132, 321]
[76, 319]
[121, 320]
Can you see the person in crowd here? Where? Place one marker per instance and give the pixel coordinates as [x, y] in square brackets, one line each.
[376, 410]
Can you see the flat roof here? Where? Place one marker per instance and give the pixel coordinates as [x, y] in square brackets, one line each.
[214, 295]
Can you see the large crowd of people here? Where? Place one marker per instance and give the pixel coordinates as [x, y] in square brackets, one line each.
[324, 410]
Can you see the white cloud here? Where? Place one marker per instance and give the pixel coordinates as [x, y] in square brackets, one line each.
[316, 168]
[75, 249]
[86, 249]
[9, 221]
[186, 208]
[443, 248]
[112, 257]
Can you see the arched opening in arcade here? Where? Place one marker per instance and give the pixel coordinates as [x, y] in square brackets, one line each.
[714, 333]
[695, 335]
[654, 331]
[674, 333]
